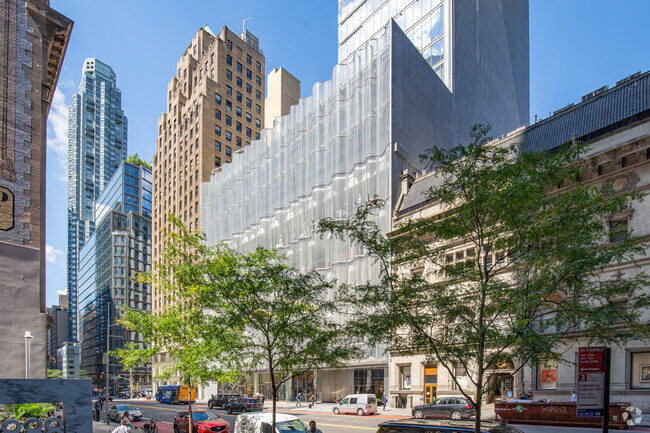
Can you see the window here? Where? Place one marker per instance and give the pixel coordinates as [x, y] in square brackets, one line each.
[228, 105]
[249, 89]
[217, 114]
[640, 370]
[211, 59]
[217, 98]
[257, 136]
[239, 67]
[238, 141]
[217, 161]
[239, 82]
[249, 118]
[249, 103]
[258, 123]
[238, 126]
[228, 136]
[228, 56]
[228, 120]
[546, 371]
[249, 59]
[228, 90]
[228, 151]
[239, 97]
[618, 229]
[229, 43]
[258, 95]
[258, 80]
[249, 74]
[217, 145]
[238, 111]
[228, 75]
[405, 377]
[258, 66]
[217, 130]
[249, 132]
[258, 109]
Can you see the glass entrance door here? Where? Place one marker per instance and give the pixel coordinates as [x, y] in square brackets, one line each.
[429, 393]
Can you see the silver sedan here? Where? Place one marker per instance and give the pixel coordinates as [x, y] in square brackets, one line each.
[116, 412]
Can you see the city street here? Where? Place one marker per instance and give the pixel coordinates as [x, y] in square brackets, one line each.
[325, 419]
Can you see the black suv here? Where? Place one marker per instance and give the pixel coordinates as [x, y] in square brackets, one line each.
[245, 404]
[222, 400]
[445, 407]
[442, 426]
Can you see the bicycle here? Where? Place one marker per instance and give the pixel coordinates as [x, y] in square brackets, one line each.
[150, 427]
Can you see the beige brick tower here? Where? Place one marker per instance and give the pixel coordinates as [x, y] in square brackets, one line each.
[215, 107]
[283, 91]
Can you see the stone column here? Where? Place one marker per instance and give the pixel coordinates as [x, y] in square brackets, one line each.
[256, 383]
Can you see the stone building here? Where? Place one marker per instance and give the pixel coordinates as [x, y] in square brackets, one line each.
[33, 42]
[615, 123]
[215, 107]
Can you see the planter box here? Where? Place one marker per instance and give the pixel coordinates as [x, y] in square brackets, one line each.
[561, 413]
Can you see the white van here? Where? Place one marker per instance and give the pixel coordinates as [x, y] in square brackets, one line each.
[259, 422]
[357, 403]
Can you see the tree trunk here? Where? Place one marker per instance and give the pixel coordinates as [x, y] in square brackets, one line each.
[189, 403]
[274, 391]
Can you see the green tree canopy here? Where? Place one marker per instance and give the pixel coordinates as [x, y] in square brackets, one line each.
[135, 159]
[533, 236]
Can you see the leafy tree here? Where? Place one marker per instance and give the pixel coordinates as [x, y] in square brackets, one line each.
[536, 234]
[288, 318]
[54, 374]
[135, 159]
[193, 340]
[29, 410]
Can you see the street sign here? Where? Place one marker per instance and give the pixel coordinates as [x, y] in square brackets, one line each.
[591, 382]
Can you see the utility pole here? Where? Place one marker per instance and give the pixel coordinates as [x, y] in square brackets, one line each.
[108, 349]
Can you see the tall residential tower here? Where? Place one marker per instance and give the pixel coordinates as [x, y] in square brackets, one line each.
[96, 147]
[215, 107]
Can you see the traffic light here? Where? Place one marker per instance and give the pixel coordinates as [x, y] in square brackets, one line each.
[101, 376]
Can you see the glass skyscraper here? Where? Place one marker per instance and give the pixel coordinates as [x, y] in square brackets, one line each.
[118, 249]
[97, 136]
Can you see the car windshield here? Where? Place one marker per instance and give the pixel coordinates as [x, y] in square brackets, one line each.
[123, 407]
[203, 416]
[294, 425]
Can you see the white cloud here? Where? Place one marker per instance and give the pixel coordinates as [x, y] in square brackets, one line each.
[57, 133]
[62, 292]
[51, 253]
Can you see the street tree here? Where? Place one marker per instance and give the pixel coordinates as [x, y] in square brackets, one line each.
[290, 320]
[197, 345]
[537, 240]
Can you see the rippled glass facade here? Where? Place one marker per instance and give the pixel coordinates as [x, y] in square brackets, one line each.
[119, 248]
[331, 153]
[423, 21]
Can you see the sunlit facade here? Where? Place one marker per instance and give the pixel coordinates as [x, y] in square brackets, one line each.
[116, 252]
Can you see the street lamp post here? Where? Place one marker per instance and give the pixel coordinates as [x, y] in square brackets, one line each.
[28, 341]
[107, 357]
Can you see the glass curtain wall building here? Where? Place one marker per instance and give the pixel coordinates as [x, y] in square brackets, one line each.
[117, 251]
[97, 135]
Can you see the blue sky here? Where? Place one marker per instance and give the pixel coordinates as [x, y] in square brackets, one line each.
[576, 46]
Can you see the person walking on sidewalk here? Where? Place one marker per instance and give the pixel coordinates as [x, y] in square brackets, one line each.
[312, 401]
[298, 400]
[384, 400]
[122, 428]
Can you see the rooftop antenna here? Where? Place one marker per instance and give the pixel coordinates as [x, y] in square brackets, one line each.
[243, 24]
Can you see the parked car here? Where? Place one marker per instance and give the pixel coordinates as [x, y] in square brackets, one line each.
[262, 422]
[442, 426]
[203, 421]
[445, 407]
[116, 411]
[357, 403]
[245, 404]
[221, 400]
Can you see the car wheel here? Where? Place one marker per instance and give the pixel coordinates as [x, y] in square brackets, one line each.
[175, 428]
[243, 410]
[418, 414]
[336, 411]
[210, 405]
[359, 411]
[456, 415]
[229, 410]
[195, 430]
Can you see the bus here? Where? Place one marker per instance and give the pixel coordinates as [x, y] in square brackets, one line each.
[174, 394]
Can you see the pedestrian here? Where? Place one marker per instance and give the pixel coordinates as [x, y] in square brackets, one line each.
[127, 417]
[98, 408]
[574, 397]
[122, 428]
[312, 401]
[312, 427]
[384, 400]
[298, 400]
[338, 400]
